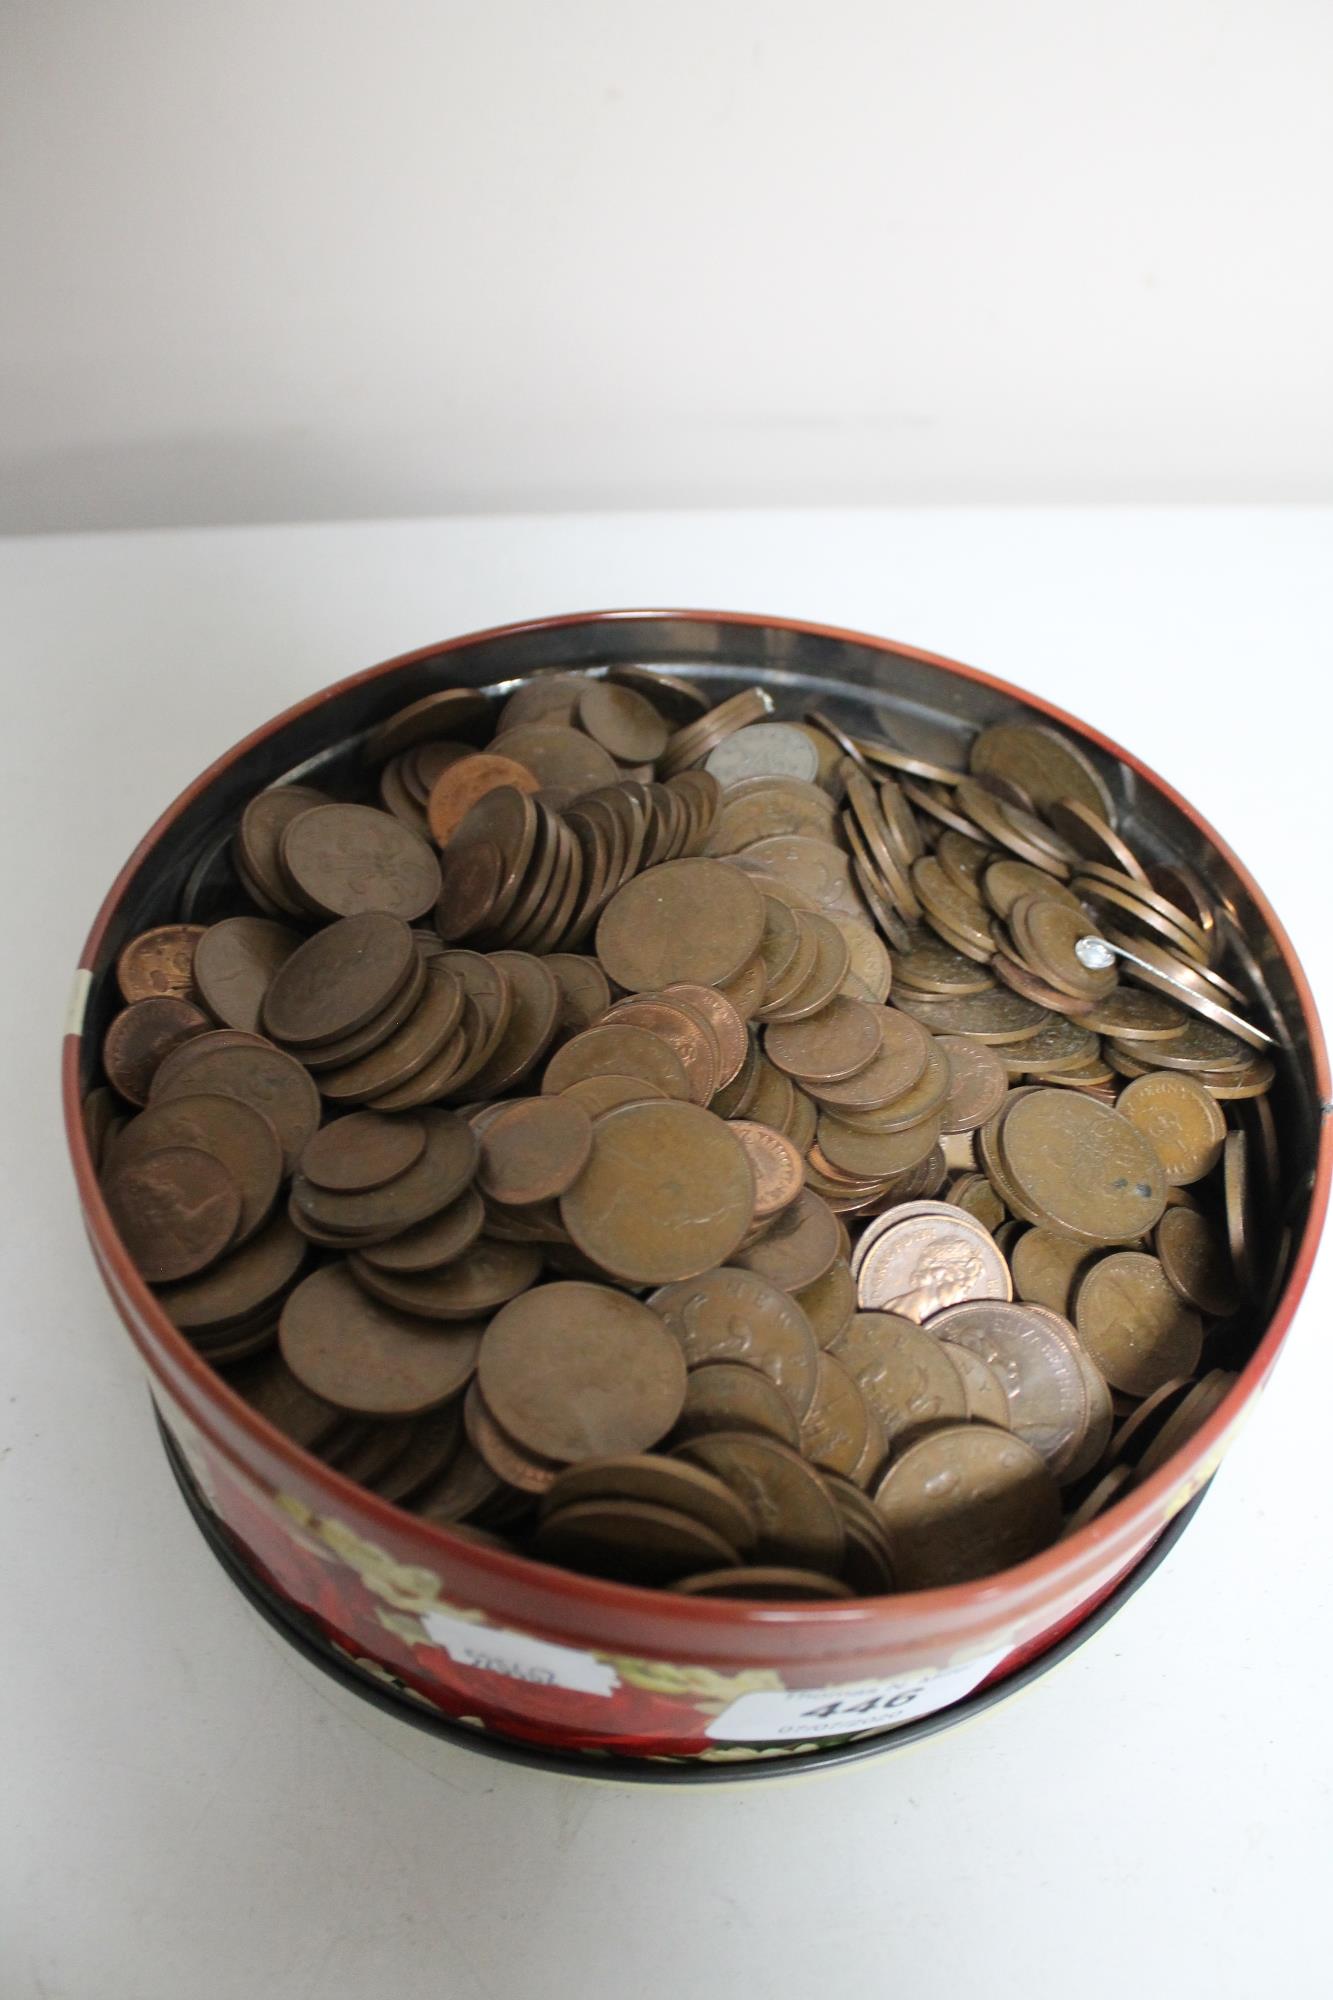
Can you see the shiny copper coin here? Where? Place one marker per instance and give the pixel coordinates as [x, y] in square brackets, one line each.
[176, 1210]
[459, 788]
[1180, 1120]
[776, 1164]
[667, 1193]
[159, 963]
[534, 1150]
[797, 1520]
[735, 1315]
[1135, 1325]
[1034, 1358]
[575, 1371]
[964, 1501]
[728, 1026]
[140, 1038]
[364, 1356]
[362, 1150]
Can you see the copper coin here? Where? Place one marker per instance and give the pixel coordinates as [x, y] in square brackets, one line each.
[602, 1093]
[140, 1038]
[485, 1276]
[467, 1487]
[847, 1149]
[458, 789]
[798, 1248]
[159, 963]
[1197, 1262]
[764, 1581]
[524, 1470]
[246, 1281]
[667, 1192]
[663, 1482]
[1046, 764]
[234, 1133]
[904, 1375]
[440, 1239]
[735, 1315]
[1081, 1167]
[428, 1448]
[822, 984]
[797, 1520]
[556, 755]
[339, 979]
[829, 1303]
[437, 1178]
[777, 1166]
[728, 1026]
[258, 840]
[683, 1029]
[986, 1400]
[534, 1150]
[1190, 1415]
[1181, 1121]
[575, 1371]
[694, 920]
[838, 1042]
[899, 1065]
[350, 1048]
[534, 1011]
[1047, 1268]
[257, 1074]
[362, 1150]
[916, 1264]
[630, 1539]
[362, 1355]
[977, 1083]
[345, 860]
[1037, 1366]
[443, 713]
[616, 1049]
[624, 722]
[269, 1387]
[732, 1396]
[504, 822]
[550, 695]
[176, 1210]
[585, 992]
[835, 1428]
[965, 1501]
[1135, 1325]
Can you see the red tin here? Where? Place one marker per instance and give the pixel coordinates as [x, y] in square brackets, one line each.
[566, 1664]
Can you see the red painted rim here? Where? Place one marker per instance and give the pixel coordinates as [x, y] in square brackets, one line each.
[1025, 1580]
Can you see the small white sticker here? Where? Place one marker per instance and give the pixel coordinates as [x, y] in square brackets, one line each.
[78, 1001]
[518, 1656]
[805, 1713]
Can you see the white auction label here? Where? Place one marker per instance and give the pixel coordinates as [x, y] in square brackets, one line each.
[804, 1713]
[518, 1656]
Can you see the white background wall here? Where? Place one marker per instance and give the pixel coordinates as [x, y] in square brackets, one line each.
[270, 259]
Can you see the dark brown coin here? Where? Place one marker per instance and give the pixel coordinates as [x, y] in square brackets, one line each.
[575, 1371]
[735, 1315]
[1135, 1325]
[339, 979]
[902, 1371]
[234, 1133]
[176, 1210]
[617, 1049]
[965, 1501]
[472, 1285]
[362, 1150]
[733, 1396]
[429, 1029]
[364, 1356]
[141, 1037]
[159, 964]
[631, 1539]
[441, 1239]
[797, 1520]
[525, 1471]
[534, 1150]
[530, 1029]
[235, 963]
[444, 1169]
[836, 1043]
[837, 1427]
[245, 1282]
[557, 755]
[350, 1048]
[694, 920]
[898, 1066]
[346, 860]
[603, 1093]
[1195, 1258]
[428, 1449]
[663, 1482]
[269, 1386]
[798, 1248]
[585, 991]
[1047, 765]
[259, 839]
[445, 713]
[467, 1487]
[1180, 1119]
[256, 1073]
[1047, 1268]
[667, 1192]
[978, 1082]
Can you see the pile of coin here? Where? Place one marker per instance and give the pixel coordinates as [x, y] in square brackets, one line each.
[702, 1148]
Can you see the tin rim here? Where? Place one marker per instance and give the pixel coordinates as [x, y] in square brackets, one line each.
[1028, 1581]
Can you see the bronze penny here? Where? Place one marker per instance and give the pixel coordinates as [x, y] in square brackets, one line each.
[435, 715]
[344, 860]
[693, 920]
[821, 986]
[798, 1248]
[773, 1099]
[466, 1487]
[257, 1074]
[234, 1133]
[1197, 1262]
[728, 1026]
[624, 722]
[1046, 932]
[364, 1356]
[845, 1149]
[916, 1264]
[732, 1396]
[902, 1372]
[245, 1282]
[236, 962]
[631, 1539]
[585, 992]
[683, 1029]
[898, 1066]
[1033, 1354]
[1135, 1325]
[159, 964]
[776, 1164]
[338, 980]
[472, 882]
[437, 1178]
[524, 1470]
[965, 1501]
[362, 1150]
[1190, 1414]
[504, 820]
[258, 842]
[617, 1049]
[986, 1400]
[551, 695]
[977, 1083]
[666, 1194]
[1047, 1268]
[176, 1210]
[440, 1239]
[829, 1303]
[602, 1093]
[835, 1428]
[663, 1482]
[556, 755]
[428, 1450]
[485, 1276]
[976, 1197]
[836, 1043]
[679, 700]
[1081, 1168]
[377, 1030]
[535, 1149]
[1103, 1494]
[269, 1387]
[735, 1315]
[1132, 1014]
[1180, 1120]
[575, 1371]
[142, 1036]
[459, 788]
[1046, 764]
[797, 1520]
[534, 1010]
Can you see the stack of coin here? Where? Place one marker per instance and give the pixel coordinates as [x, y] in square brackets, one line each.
[702, 1149]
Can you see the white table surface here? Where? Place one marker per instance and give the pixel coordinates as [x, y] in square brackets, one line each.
[189, 1811]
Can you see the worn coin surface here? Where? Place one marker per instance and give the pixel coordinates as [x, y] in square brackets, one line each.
[732, 1314]
[797, 1519]
[1183, 1123]
[902, 1371]
[1081, 1167]
[667, 1193]
[1034, 1357]
[696, 920]
[337, 980]
[177, 1209]
[362, 1150]
[364, 1356]
[159, 963]
[1135, 1325]
[534, 1150]
[142, 1036]
[963, 1501]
